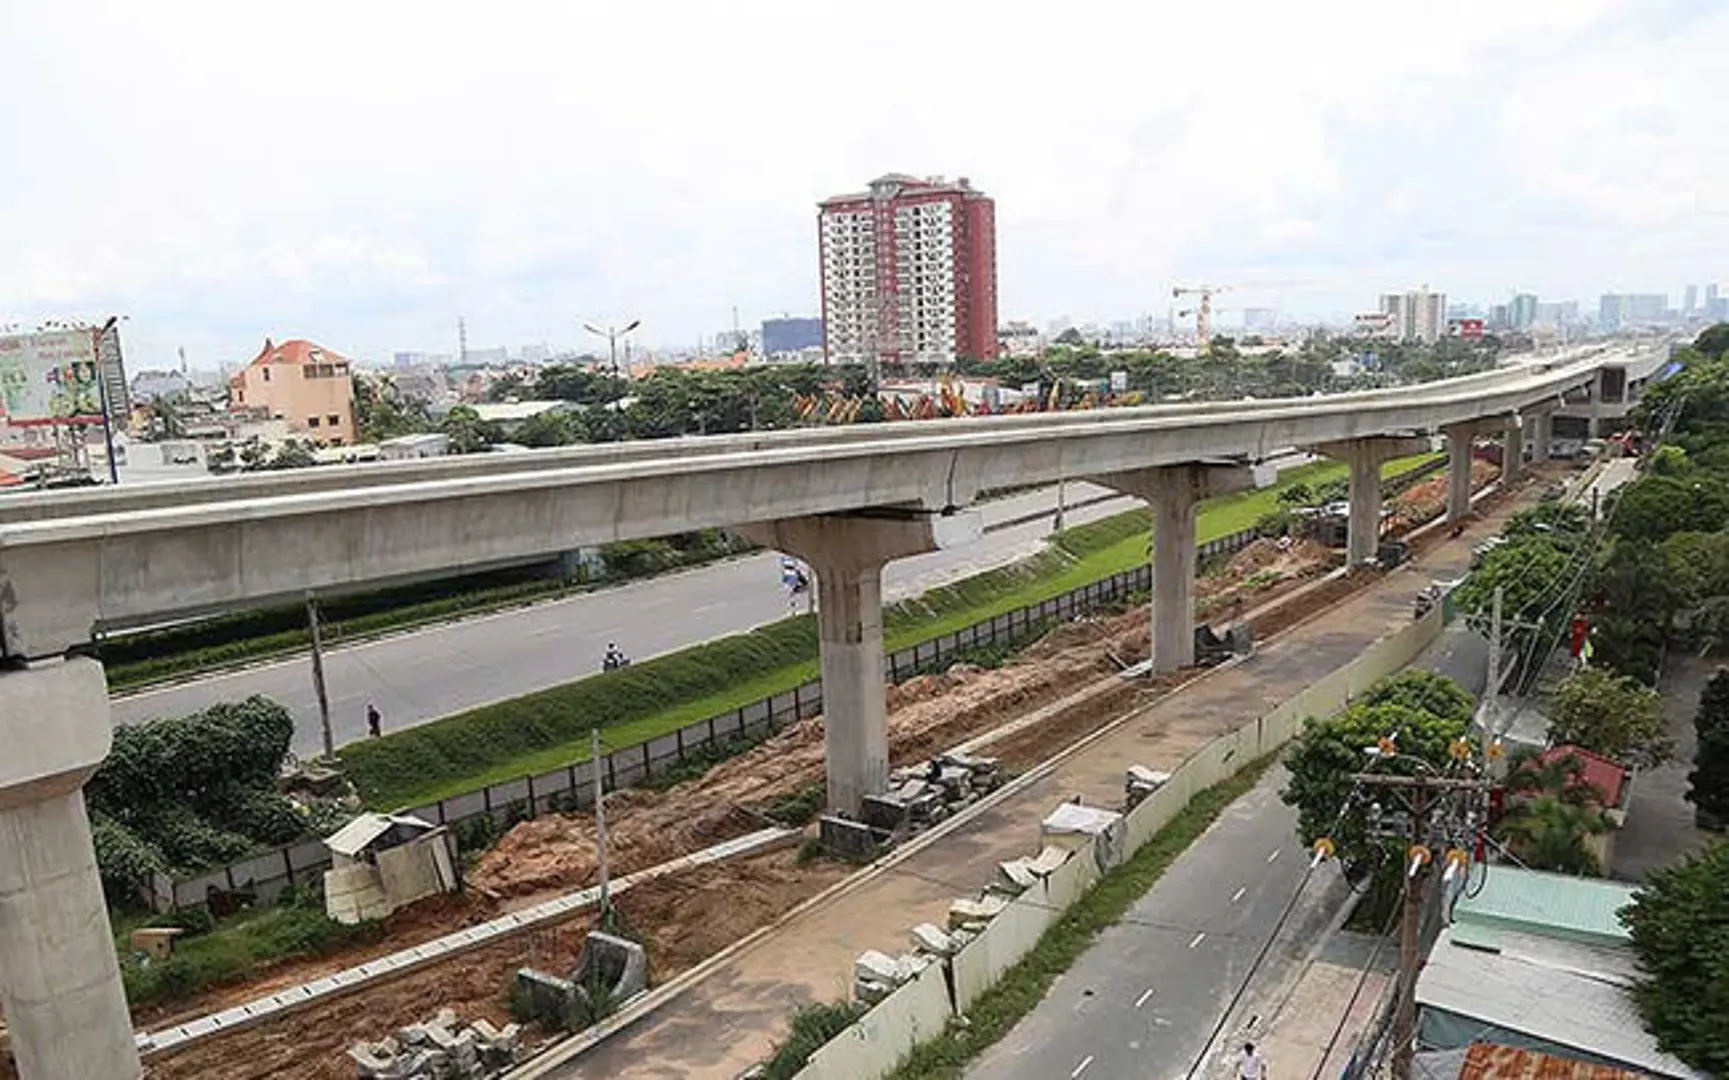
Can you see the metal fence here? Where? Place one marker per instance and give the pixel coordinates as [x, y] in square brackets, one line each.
[571, 787]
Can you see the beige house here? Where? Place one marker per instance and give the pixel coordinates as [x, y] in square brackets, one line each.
[306, 386]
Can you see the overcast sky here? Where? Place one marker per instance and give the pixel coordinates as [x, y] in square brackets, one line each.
[364, 172]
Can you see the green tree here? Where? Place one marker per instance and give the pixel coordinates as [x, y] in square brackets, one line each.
[1654, 508]
[546, 429]
[1679, 924]
[468, 433]
[1329, 751]
[1708, 782]
[1612, 715]
[1425, 691]
[1713, 341]
[293, 454]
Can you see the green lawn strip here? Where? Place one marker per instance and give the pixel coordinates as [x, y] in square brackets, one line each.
[542, 731]
[234, 950]
[1023, 986]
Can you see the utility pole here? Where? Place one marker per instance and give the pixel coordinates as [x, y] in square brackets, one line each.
[318, 676]
[1492, 694]
[600, 829]
[1443, 812]
[612, 335]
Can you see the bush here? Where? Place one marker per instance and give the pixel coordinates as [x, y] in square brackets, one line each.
[186, 793]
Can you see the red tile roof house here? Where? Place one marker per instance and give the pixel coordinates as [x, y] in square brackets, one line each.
[1609, 781]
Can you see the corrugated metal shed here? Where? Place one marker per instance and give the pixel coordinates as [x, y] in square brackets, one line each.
[1532, 901]
[1486, 1061]
[1538, 993]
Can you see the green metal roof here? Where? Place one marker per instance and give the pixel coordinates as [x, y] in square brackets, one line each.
[1554, 905]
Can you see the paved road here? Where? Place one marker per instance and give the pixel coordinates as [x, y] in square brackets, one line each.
[1143, 1000]
[422, 675]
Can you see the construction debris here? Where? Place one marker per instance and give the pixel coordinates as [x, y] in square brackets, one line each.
[1141, 782]
[440, 1050]
[610, 972]
[1074, 827]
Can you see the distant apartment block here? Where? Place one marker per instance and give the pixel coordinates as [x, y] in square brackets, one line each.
[790, 335]
[909, 272]
[1416, 315]
[1716, 307]
[1020, 339]
[306, 386]
[1522, 310]
[1617, 310]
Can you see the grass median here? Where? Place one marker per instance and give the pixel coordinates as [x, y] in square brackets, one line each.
[539, 732]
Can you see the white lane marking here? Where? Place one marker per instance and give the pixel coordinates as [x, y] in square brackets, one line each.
[1082, 1067]
[1145, 994]
[1198, 938]
[1275, 854]
[1238, 895]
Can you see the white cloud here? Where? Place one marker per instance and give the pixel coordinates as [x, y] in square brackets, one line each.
[366, 173]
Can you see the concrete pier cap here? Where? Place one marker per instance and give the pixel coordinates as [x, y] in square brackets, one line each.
[1173, 492]
[848, 553]
[59, 977]
[1364, 458]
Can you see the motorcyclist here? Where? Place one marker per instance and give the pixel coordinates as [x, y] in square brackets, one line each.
[614, 658]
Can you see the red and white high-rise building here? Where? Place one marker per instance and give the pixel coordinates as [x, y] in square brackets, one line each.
[909, 273]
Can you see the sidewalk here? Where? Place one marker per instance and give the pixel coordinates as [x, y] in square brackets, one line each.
[733, 1017]
[1298, 1036]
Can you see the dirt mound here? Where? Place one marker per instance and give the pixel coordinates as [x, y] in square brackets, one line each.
[1428, 499]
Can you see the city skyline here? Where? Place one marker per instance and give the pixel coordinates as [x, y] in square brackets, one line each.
[203, 201]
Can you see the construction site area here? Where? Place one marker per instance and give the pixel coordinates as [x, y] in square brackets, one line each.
[1033, 706]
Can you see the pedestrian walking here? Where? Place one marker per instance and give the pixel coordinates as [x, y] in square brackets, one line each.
[1251, 1066]
[374, 722]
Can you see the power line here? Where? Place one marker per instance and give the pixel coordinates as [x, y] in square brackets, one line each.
[1357, 990]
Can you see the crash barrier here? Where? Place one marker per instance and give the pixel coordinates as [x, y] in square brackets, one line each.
[181, 1035]
[916, 1012]
[571, 787]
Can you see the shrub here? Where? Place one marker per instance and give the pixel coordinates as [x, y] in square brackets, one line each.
[812, 1027]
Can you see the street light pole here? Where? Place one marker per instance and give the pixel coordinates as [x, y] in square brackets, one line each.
[612, 335]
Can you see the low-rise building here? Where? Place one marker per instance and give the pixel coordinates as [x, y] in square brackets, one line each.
[1541, 962]
[306, 386]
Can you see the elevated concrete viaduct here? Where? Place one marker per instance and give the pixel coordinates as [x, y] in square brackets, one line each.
[848, 500]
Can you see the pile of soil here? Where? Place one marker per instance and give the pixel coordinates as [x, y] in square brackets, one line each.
[1428, 499]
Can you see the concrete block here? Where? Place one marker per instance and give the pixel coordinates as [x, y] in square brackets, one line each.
[933, 939]
[1015, 877]
[847, 838]
[975, 912]
[872, 964]
[1048, 861]
[616, 966]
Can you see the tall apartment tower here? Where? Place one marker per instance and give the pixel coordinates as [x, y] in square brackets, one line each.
[1417, 315]
[909, 273]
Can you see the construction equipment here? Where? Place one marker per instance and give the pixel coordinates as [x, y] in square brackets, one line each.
[1204, 313]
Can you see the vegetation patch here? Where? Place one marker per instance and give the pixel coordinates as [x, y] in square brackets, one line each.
[209, 954]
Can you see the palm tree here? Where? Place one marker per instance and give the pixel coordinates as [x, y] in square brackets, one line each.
[1555, 814]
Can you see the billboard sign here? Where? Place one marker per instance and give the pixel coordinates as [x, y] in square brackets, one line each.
[49, 378]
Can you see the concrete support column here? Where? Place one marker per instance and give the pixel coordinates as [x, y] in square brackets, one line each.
[59, 978]
[1173, 491]
[1542, 426]
[848, 554]
[1459, 471]
[1365, 457]
[1513, 450]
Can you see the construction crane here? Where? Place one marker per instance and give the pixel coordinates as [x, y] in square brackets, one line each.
[1204, 313]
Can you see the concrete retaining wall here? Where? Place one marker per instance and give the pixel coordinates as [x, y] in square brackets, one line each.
[887, 1033]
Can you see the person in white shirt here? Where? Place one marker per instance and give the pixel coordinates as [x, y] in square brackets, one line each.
[1251, 1066]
